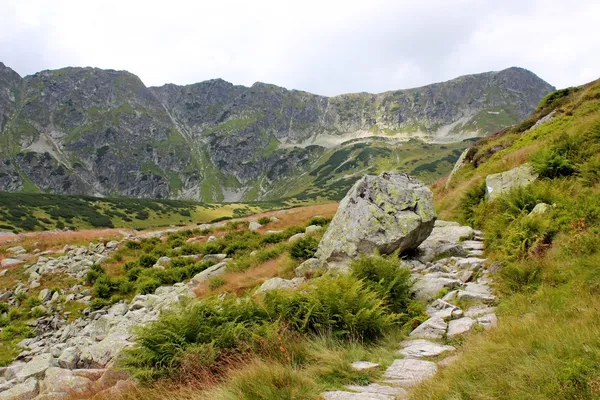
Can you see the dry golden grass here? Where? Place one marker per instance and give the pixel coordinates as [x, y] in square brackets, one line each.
[240, 282]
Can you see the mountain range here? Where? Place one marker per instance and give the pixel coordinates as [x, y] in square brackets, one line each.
[104, 133]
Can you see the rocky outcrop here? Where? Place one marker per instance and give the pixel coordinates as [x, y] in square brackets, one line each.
[386, 213]
[103, 132]
[500, 183]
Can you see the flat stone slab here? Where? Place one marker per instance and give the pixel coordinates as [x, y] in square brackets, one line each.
[478, 311]
[474, 296]
[10, 262]
[408, 372]
[423, 348]
[478, 288]
[364, 365]
[380, 389]
[460, 326]
[433, 328]
[341, 395]
[472, 245]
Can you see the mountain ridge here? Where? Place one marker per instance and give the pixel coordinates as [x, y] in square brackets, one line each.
[103, 132]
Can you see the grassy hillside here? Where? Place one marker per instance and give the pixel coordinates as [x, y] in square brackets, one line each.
[21, 212]
[337, 170]
[547, 345]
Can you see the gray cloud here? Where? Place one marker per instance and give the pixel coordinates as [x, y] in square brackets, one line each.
[326, 47]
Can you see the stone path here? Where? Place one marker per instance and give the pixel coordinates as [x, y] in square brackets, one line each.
[425, 351]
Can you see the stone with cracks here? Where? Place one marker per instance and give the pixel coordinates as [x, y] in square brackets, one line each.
[433, 328]
[63, 380]
[503, 182]
[279, 283]
[423, 348]
[210, 272]
[341, 395]
[36, 367]
[460, 326]
[409, 372]
[23, 391]
[390, 212]
[379, 389]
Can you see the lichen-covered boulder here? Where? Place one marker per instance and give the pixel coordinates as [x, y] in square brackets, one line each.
[498, 184]
[389, 212]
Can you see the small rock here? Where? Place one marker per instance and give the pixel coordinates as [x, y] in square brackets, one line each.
[164, 261]
[44, 295]
[447, 361]
[364, 365]
[488, 321]
[211, 239]
[297, 236]
[278, 284]
[210, 272]
[309, 267]
[312, 229]
[253, 226]
[10, 262]
[69, 358]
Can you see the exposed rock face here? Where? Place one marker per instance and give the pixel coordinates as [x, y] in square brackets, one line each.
[103, 132]
[503, 182]
[386, 213]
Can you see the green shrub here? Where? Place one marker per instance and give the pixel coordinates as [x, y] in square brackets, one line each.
[548, 163]
[304, 248]
[147, 260]
[264, 220]
[343, 307]
[3, 307]
[102, 287]
[216, 282]
[15, 314]
[212, 328]
[321, 221]
[37, 312]
[147, 285]
[472, 198]
[130, 244]
[129, 265]
[386, 277]
[97, 304]
[93, 274]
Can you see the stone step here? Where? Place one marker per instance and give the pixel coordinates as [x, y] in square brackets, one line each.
[341, 395]
[473, 245]
[409, 372]
[423, 348]
[380, 389]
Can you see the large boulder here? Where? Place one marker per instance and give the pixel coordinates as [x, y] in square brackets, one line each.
[503, 182]
[389, 212]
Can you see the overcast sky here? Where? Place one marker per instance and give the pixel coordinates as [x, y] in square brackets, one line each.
[325, 47]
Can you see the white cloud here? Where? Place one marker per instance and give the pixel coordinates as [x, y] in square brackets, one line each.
[326, 47]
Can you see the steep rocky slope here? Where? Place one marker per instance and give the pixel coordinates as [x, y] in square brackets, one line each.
[103, 132]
